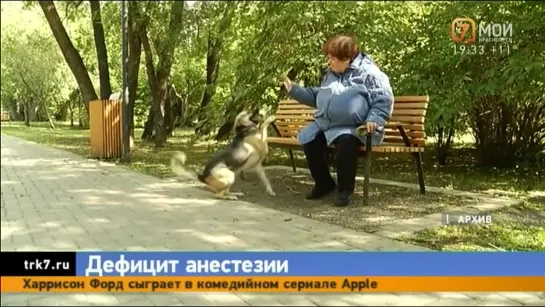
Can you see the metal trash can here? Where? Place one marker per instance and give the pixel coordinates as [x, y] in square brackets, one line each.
[105, 128]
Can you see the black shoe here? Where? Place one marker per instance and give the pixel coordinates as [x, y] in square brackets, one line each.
[319, 192]
[342, 199]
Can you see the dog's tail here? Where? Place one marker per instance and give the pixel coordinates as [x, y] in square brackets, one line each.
[177, 165]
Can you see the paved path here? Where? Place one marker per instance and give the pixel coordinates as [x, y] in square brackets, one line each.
[55, 200]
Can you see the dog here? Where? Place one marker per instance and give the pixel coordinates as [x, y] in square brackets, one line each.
[246, 152]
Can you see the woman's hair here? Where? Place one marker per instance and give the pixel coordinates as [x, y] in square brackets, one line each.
[342, 47]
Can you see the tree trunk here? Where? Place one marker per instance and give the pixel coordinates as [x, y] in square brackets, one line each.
[102, 52]
[174, 110]
[185, 105]
[30, 105]
[445, 136]
[158, 79]
[169, 116]
[160, 137]
[212, 68]
[27, 113]
[135, 52]
[215, 46]
[148, 134]
[71, 109]
[80, 116]
[70, 53]
[149, 127]
[62, 111]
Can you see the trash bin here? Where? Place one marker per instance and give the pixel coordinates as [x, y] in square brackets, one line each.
[105, 128]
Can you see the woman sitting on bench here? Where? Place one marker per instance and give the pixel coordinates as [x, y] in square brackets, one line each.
[354, 92]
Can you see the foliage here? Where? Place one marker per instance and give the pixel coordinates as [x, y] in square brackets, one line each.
[28, 76]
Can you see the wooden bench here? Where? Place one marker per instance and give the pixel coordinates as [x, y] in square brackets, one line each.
[404, 133]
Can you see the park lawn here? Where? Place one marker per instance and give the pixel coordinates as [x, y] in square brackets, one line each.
[510, 232]
[517, 228]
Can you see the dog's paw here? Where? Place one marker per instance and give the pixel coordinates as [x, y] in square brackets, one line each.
[271, 192]
[238, 194]
[226, 197]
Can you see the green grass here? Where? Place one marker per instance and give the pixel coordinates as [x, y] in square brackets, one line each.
[507, 232]
[518, 228]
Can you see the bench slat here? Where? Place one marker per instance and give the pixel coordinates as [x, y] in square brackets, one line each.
[284, 128]
[296, 117]
[399, 140]
[295, 112]
[394, 149]
[386, 147]
[404, 99]
[411, 105]
[294, 107]
[298, 123]
[406, 126]
[410, 134]
[414, 112]
[294, 125]
[282, 140]
[287, 102]
[290, 133]
[408, 119]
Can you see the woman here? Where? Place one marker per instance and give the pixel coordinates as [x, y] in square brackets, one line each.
[354, 92]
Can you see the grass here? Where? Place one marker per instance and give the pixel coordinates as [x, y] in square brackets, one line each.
[509, 231]
[518, 228]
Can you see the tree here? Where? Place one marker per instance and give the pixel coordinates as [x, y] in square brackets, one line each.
[30, 66]
[135, 52]
[70, 53]
[102, 52]
[159, 73]
[216, 36]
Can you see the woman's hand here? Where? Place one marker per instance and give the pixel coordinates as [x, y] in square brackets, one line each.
[286, 83]
[371, 127]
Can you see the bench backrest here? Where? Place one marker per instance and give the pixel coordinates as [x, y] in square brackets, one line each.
[409, 112]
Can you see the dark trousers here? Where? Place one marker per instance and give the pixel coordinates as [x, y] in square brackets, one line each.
[346, 152]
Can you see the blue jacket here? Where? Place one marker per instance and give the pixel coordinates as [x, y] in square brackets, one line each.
[344, 102]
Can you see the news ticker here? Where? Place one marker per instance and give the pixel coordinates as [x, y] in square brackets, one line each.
[274, 264]
[316, 284]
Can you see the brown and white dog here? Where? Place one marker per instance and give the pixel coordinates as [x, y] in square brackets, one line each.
[246, 152]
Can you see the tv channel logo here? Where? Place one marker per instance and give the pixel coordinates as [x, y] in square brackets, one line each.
[463, 30]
